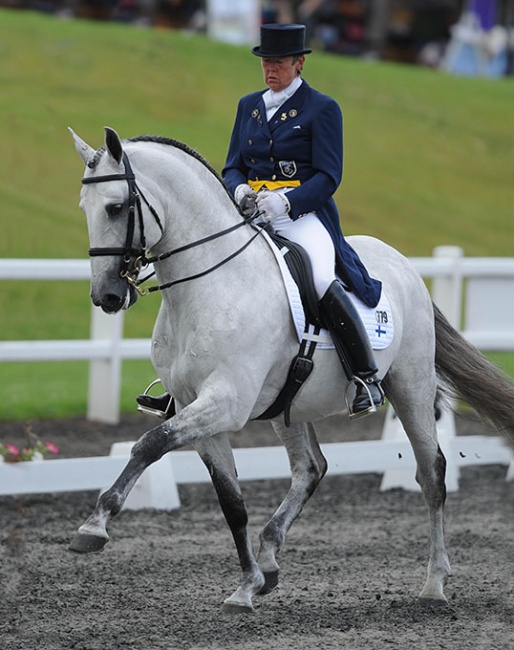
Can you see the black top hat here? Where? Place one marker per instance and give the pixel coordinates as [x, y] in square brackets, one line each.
[281, 40]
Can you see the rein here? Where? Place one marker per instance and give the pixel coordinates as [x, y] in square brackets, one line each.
[141, 261]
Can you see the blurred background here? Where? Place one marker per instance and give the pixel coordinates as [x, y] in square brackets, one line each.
[408, 31]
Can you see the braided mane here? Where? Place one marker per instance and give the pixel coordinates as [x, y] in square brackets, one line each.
[159, 139]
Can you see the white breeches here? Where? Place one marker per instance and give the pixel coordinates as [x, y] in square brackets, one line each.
[309, 232]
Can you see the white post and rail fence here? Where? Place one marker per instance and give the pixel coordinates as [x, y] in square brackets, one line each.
[472, 292]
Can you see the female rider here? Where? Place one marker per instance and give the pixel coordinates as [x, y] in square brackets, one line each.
[286, 158]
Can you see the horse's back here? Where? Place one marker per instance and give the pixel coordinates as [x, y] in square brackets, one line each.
[401, 281]
[408, 296]
[379, 258]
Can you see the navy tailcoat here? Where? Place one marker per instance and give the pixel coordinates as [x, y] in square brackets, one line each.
[303, 142]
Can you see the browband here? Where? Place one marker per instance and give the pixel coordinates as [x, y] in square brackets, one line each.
[108, 177]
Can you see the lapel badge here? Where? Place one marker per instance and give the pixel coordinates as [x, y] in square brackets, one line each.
[288, 168]
[283, 117]
[255, 113]
[293, 112]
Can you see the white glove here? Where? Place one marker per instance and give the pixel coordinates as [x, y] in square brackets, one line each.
[245, 198]
[273, 204]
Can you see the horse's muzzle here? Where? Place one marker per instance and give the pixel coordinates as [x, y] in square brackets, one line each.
[113, 302]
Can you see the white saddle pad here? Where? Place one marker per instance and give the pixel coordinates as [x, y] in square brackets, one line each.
[378, 320]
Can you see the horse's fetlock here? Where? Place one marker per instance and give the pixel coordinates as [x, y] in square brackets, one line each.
[273, 534]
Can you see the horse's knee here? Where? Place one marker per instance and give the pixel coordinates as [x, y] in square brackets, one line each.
[151, 446]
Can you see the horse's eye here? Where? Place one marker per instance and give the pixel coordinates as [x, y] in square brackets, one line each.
[114, 209]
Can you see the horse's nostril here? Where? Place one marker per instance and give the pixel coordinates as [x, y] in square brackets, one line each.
[111, 303]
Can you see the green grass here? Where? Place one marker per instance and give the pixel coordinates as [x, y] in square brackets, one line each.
[428, 161]
[52, 389]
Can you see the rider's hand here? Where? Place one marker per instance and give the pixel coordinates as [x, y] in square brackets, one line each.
[273, 204]
[245, 198]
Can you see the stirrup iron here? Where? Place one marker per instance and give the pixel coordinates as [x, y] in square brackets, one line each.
[148, 410]
[371, 409]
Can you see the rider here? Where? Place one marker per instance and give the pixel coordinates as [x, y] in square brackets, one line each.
[286, 158]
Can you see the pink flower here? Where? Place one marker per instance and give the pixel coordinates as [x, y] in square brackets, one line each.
[53, 449]
[12, 449]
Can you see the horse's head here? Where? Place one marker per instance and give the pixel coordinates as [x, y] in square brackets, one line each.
[119, 231]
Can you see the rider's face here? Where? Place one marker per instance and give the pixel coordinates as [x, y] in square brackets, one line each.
[279, 72]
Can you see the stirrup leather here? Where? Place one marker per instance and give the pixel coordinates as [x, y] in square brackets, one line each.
[148, 410]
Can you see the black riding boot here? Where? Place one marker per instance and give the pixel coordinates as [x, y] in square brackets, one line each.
[163, 406]
[352, 344]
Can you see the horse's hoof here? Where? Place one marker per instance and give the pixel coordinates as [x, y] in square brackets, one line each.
[236, 608]
[85, 543]
[433, 602]
[270, 582]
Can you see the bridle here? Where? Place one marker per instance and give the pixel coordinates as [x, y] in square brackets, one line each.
[128, 252]
[140, 260]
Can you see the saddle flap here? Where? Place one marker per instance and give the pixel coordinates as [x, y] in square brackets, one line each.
[300, 267]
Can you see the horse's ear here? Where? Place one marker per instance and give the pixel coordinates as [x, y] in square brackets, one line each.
[83, 149]
[113, 144]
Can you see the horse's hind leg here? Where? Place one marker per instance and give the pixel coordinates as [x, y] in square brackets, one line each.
[416, 412]
[217, 455]
[308, 466]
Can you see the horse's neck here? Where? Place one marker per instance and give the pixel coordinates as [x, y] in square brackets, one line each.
[194, 206]
[241, 296]
[194, 200]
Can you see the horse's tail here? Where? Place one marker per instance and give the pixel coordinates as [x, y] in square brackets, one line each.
[469, 375]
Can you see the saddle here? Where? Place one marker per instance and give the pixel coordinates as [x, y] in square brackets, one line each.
[300, 267]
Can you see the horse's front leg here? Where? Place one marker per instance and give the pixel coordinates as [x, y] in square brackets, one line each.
[308, 466]
[198, 424]
[201, 419]
[217, 455]
[92, 536]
